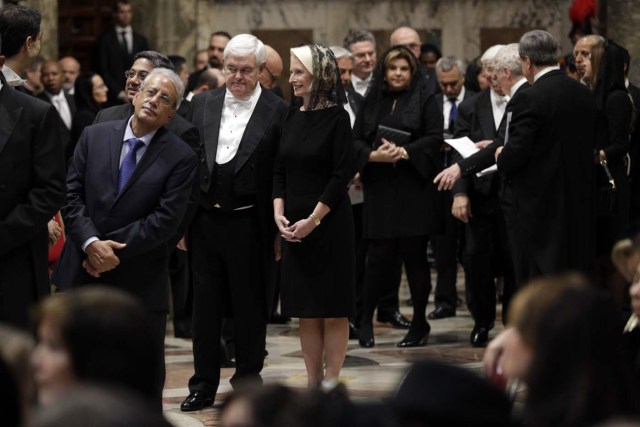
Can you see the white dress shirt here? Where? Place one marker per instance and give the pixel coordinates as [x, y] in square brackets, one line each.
[352, 115]
[235, 116]
[60, 102]
[446, 107]
[498, 105]
[128, 36]
[361, 85]
[12, 78]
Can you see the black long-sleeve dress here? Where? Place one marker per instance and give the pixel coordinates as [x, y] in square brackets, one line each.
[315, 163]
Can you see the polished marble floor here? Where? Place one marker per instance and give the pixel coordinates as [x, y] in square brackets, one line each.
[368, 373]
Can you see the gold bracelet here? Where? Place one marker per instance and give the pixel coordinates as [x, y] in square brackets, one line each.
[315, 219]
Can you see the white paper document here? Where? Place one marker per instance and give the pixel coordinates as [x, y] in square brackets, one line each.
[466, 148]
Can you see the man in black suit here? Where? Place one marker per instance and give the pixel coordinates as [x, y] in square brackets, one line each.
[231, 239]
[114, 51]
[144, 63]
[31, 177]
[128, 188]
[634, 141]
[450, 72]
[52, 79]
[486, 253]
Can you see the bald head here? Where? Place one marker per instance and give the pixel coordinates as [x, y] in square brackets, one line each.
[274, 66]
[407, 37]
[210, 79]
[70, 71]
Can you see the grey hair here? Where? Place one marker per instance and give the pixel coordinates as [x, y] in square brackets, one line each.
[245, 45]
[489, 54]
[356, 36]
[509, 57]
[172, 76]
[341, 52]
[540, 47]
[447, 63]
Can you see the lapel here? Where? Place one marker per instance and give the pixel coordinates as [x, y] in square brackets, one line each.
[156, 146]
[441, 98]
[484, 111]
[9, 114]
[258, 123]
[115, 149]
[211, 124]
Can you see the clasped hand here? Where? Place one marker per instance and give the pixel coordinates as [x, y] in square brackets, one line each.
[295, 232]
[101, 257]
[388, 152]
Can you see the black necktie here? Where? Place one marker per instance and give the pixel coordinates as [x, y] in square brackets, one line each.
[123, 35]
[453, 115]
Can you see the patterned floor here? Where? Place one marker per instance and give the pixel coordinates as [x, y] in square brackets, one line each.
[368, 373]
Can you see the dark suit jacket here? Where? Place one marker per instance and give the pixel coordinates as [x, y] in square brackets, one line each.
[634, 153]
[145, 215]
[65, 133]
[255, 158]
[179, 126]
[31, 192]
[547, 162]
[111, 61]
[475, 121]
[355, 99]
[486, 157]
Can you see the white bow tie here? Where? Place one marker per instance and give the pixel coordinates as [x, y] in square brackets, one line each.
[234, 102]
[501, 101]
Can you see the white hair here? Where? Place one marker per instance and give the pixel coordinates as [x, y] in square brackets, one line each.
[509, 57]
[245, 45]
[489, 54]
[341, 52]
[173, 78]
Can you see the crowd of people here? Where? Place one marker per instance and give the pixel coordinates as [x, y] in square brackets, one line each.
[136, 179]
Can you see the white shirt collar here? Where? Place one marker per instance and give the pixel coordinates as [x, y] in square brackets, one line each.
[126, 29]
[146, 138]
[517, 85]
[545, 71]
[248, 103]
[459, 98]
[361, 85]
[12, 78]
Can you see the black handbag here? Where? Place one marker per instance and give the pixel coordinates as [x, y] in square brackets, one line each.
[607, 202]
[397, 136]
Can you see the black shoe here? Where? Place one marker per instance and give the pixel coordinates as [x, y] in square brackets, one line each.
[414, 339]
[196, 401]
[366, 337]
[396, 319]
[279, 319]
[441, 313]
[354, 334]
[480, 336]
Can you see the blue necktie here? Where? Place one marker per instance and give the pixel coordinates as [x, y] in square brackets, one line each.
[453, 115]
[129, 162]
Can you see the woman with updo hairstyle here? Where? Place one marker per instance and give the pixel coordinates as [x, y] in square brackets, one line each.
[90, 94]
[93, 335]
[312, 211]
[402, 207]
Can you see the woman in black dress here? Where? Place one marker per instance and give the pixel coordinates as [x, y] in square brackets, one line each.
[313, 213]
[90, 93]
[401, 205]
[613, 127]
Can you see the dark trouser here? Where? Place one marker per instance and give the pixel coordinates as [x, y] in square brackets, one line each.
[228, 278]
[382, 268]
[158, 327]
[487, 256]
[181, 293]
[388, 299]
[18, 286]
[445, 247]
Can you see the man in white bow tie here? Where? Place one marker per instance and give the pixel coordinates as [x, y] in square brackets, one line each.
[231, 239]
[362, 46]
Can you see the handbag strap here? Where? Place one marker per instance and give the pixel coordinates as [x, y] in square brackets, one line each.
[605, 166]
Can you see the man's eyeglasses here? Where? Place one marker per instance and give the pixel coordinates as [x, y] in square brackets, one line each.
[243, 71]
[132, 73]
[150, 93]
